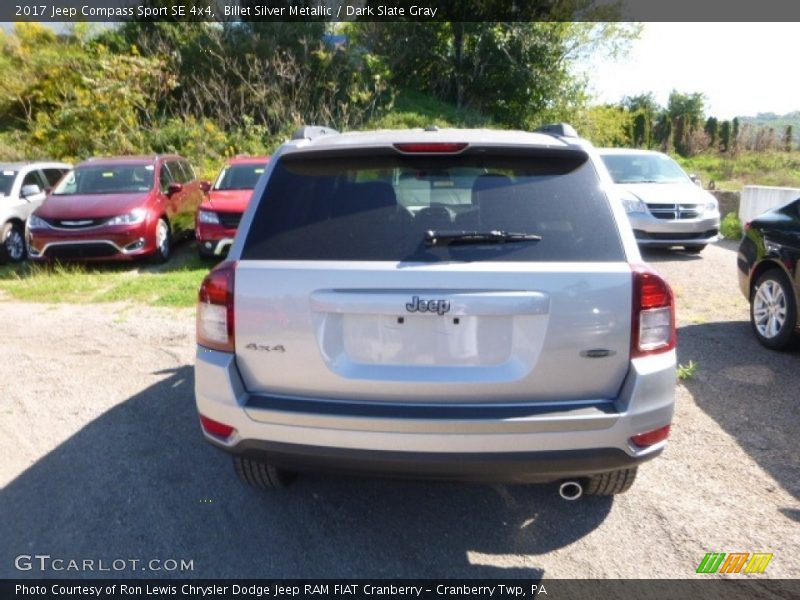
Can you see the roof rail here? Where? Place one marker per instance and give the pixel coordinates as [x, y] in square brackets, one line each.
[313, 131]
[559, 130]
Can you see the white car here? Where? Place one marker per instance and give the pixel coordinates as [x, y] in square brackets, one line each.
[23, 187]
[665, 207]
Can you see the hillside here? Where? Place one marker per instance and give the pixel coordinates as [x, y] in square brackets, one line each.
[777, 122]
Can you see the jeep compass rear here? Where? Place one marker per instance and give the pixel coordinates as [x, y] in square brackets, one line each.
[450, 304]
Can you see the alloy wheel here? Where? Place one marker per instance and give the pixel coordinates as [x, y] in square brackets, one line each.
[769, 308]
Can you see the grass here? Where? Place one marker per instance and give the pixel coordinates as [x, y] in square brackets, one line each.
[173, 284]
[773, 168]
[687, 371]
[731, 227]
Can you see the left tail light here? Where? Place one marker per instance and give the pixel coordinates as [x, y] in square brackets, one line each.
[215, 317]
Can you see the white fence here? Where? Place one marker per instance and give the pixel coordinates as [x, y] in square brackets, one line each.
[757, 199]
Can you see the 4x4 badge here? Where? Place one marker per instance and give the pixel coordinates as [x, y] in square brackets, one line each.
[438, 306]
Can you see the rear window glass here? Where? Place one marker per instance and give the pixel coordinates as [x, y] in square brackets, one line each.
[372, 208]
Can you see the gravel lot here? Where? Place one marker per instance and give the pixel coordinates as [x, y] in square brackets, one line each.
[102, 459]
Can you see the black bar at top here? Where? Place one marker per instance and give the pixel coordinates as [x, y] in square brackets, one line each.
[76, 11]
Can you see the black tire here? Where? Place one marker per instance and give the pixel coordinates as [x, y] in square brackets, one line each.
[697, 249]
[204, 253]
[163, 244]
[772, 285]
[12, 248]
[262, 475]
[611, 483]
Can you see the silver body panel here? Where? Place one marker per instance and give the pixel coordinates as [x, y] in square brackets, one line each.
[519, 337]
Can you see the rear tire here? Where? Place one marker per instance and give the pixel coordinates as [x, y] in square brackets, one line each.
[12, 249]
[262, 475]
[695, 249]
[773, 310]
[609, 484]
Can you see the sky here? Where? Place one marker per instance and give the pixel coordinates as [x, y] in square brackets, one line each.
[742, 68]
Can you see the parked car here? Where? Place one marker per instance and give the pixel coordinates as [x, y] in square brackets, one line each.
[219, 215]
[769, 274]
[664, 205]
[509, 332]
[23, 187]
[118, 208]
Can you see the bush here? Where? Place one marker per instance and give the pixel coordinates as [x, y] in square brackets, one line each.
[731, 227]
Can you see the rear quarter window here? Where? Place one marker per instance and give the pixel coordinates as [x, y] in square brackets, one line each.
[379, 206]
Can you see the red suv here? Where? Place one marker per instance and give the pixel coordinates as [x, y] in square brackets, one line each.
[219, 215]
[117, 208]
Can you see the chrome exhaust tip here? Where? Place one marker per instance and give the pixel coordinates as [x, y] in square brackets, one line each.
[570, 490]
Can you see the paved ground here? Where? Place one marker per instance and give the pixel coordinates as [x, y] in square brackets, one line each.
[102, 459]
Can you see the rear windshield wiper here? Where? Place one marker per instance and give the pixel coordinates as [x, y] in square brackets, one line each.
[448, 238]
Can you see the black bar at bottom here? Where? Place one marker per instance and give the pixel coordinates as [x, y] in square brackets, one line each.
[707, 587]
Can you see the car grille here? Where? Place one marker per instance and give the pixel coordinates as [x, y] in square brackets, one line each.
[644, 235]
[229, 219]
[674, 212]
[75, 223]
[78, 251]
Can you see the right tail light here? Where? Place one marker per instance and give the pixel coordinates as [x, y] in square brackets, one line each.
[653, 317]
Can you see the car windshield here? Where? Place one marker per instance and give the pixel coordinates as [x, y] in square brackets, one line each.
[487, 205]
[6, 181]
[239, 177]
[644, 168]
[109, 179]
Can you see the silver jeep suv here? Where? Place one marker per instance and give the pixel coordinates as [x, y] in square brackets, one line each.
[454, 304]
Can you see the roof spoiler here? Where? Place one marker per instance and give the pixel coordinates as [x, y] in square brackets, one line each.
[311, 132]
[558, 129]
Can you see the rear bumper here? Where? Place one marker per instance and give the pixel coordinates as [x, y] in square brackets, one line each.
[506, 442]
[522, 467]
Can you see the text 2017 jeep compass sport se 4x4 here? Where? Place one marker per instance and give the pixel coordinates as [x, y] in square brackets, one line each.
[454, 304]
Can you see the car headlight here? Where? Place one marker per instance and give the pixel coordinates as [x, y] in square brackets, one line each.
[632, 204]
[35, 222]
[207, 216]
[137, 215]
[712, 206]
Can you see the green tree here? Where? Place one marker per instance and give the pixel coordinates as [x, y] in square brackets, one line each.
[685, 112]
[74, 101]
[725, 136]
[645, 111]
[712, 130]
[607, 125]
[788, 134]
[519, 73]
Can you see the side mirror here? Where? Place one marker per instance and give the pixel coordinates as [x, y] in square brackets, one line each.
[30, 190]
[205, 186]
[695, 179]
[174, 188]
